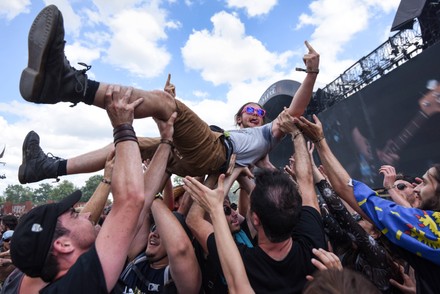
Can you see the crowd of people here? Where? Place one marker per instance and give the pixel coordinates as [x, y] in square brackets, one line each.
[306, 229]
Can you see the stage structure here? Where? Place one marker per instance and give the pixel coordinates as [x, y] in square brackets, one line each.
[384, 89]
[273, 100]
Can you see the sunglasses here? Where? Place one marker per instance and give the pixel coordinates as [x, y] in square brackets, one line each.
[251, 110]
[153, 228]
[227, 210]
[400, 186]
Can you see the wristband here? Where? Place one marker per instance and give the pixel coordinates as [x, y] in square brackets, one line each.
[308, 70]
[318, 140]
[166, 141]
[105, 181]
[124, 132]
[158, 196]
[296, 135]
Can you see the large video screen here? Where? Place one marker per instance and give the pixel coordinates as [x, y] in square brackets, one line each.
[395, 120]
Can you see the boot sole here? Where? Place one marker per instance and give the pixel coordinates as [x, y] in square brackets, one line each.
[41, 35]
[22, 168]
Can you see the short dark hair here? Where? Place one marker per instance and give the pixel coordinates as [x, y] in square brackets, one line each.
[403, 177]
[51, 266]
[240, 111]
[277, 202]
[10, 221]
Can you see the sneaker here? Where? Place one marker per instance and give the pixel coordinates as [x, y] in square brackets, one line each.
[36, 165]
[49, 78]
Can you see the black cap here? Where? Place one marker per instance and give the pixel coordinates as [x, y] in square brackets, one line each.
[33, 235]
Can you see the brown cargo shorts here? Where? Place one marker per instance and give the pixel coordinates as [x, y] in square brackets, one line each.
[199, 151]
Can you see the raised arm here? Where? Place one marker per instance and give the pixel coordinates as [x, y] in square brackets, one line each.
[304, 93]
[389, 177]
[338, 176]
[97, 202]
[230, 258]
[199, 226]
[154, 180]
[303, 165]
[183, 263]
[120, 226]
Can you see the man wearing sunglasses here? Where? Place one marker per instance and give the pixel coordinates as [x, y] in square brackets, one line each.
[400, 187]
[213, 279]
[414, 232]
[194, 153]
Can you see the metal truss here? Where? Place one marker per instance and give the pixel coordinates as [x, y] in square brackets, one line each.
[392, 53]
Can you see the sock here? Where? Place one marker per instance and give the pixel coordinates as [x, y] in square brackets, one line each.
[62, 167]
[92, 88]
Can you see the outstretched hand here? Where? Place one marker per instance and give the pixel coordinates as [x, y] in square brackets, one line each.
[166, 128]
[119, 108]
[286, 123]
[313, 131]
[207, 198]
[326, 260]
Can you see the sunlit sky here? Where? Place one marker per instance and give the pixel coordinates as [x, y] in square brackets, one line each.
[221, 54]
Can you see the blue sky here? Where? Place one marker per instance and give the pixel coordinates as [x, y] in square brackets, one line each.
[221, 54]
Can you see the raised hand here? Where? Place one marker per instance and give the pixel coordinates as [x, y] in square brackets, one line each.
[207, 198]
[166, 128]
[170, 88]
[326, 260]
[311, 59]
[285, 122]
[389, 176]
[119, 108]
[313, 131]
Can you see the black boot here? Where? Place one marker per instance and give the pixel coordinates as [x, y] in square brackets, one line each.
[49, 78]
[36, 165]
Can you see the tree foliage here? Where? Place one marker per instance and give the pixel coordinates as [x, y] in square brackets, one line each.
[18, 193]
[89, 188]
[49, 192]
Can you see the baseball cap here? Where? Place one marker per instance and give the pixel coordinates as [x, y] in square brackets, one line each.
[33, 235]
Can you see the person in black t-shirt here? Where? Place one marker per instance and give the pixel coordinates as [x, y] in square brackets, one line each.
[168, 263]
[61, 246]
[288, 224]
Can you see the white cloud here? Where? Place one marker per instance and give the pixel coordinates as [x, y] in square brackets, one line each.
[77, 53]
[135, 43]
[232, 56]
[336, 23]
[10, 9]
[252, 7]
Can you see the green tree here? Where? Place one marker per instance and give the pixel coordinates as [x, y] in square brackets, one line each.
[18, 193]
[62, 190]
[89, 188]
[42, 193]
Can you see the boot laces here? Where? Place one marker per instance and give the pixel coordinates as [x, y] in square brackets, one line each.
[79, 86]
[52, 157]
